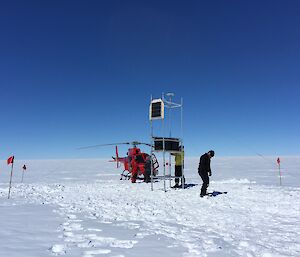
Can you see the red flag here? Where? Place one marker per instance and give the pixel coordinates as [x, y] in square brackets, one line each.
[278, 160]
[10, 160]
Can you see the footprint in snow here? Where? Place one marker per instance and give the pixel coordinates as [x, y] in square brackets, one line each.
[71, 238]
[95, 229]
[71, 216]
[96, 252]
[99, 241]
[73, 227]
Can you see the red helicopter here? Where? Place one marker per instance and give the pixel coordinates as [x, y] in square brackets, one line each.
[137, 164]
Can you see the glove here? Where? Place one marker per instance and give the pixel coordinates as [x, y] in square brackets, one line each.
[209, 173]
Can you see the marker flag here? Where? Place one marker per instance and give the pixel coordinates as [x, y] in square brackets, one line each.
[10, 160]
[278, 161]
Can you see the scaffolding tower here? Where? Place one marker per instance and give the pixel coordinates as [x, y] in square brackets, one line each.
[162, 144]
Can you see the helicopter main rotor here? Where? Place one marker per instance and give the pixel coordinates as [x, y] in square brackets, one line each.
[133, 143]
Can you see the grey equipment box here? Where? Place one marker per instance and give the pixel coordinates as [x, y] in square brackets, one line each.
[171, 144]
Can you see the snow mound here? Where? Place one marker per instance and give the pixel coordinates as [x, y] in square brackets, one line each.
[58, 249]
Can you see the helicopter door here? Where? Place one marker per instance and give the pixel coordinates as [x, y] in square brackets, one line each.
[154, 162]
[139, 158]
[129, 163]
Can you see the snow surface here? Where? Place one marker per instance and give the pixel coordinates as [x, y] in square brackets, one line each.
[81, 208]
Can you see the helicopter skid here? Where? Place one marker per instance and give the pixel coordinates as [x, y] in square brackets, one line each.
[125, 176]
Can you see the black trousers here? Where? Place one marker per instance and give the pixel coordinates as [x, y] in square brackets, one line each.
[178, 173]
[205, 178]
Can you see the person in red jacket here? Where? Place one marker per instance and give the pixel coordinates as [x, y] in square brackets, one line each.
[204, 170]
[134, 170]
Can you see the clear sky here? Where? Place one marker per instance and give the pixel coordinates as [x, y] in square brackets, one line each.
[77, 73]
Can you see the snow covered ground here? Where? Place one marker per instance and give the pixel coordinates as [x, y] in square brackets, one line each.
[81, 208]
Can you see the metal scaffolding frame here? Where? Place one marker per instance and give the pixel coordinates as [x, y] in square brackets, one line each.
[170, 105]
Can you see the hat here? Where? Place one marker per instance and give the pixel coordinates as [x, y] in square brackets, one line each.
[212, 153]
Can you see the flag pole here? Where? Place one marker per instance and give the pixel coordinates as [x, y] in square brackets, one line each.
[279, 174]
[22, 176]
[11, 172]
[279, 171]
[24, 168]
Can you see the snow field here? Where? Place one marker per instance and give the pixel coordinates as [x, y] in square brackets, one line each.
[99, 215]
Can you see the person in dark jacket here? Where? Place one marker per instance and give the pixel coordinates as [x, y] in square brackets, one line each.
[205, 171]
[147, 173]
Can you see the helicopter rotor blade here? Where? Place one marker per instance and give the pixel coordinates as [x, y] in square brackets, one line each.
[95, 146]
[140, 143]
[146, 144]
[134, 143]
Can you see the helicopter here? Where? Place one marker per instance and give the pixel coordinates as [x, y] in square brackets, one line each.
[137, 165]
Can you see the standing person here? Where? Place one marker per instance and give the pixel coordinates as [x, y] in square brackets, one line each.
[179, 161]
[205, 171]
[147, 172]
[134, 169]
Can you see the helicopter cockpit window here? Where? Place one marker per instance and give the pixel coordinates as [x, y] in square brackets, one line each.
[139, 158]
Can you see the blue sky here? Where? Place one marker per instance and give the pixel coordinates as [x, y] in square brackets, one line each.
[76, 73]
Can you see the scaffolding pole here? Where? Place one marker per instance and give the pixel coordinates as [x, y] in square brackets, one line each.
[170, 105]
